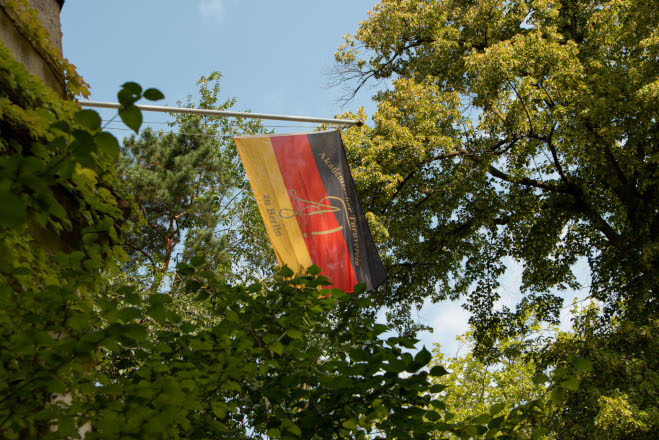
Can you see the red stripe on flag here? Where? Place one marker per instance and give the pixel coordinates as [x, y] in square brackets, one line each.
[314, 213]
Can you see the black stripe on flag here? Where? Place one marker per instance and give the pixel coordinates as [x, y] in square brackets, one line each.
[332, 164]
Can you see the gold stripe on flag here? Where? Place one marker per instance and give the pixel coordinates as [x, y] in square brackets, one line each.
[271, 196]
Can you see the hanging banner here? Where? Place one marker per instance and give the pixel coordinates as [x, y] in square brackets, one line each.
[308, 202]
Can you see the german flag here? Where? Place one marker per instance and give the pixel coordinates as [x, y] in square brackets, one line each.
[309, 204]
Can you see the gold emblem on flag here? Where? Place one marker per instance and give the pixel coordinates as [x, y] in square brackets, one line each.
[305, 208]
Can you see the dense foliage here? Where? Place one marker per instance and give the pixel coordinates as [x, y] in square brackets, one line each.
[81, 356]
[618, 400]
[524, 130]
[521, 131]
[101, 342]
[473, 387]
[60, 224]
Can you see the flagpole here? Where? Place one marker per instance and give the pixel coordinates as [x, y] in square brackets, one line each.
[204, 112]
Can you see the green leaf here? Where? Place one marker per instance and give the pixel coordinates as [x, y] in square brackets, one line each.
[22, 270]
[541, 378]
[220, 410]
[294, 429]
[202, 296]
[496, 408]
[438, 388]
[337, 293]
[482, 419]
[159, 298]
[349, 424]
[108, 144]
[136, 331]
[126, 289]
[439, 404]
[12, 211]
[184, 270]
[570, 383]
[360, 288]
[153, 94]
[322, 280]
[294, 333]
[129, 314]
[65, 168]
[132, 117]
[286, 272]
[270, 338]
[232, 316]
[539, 432]
[89, 238]
[471, 431]
[129, 93]
[557, 395]
[276, 347]
[132, 298]
[395, 366]
[313, 270]
[66, 426]
[583, 364]
[433, 416]
[496, 422]
[89, 119]
[360, 355]
[58, 211]
[423, 357]
[284, 321]
[60, 126]
[438, 371]
[273, 433]
[192, 286]
[208, 275]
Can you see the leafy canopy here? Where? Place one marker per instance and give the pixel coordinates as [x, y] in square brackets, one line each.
[513, 131]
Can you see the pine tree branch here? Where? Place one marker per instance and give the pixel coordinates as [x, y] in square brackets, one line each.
[143, 252]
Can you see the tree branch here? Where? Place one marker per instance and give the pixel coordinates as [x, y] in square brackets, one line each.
[153, 225]
[143, 252]
[365, 76]
[609, 154]
[625, 191]
[528, 182]
[554, 155]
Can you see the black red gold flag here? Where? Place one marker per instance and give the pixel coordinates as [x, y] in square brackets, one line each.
[309, 204]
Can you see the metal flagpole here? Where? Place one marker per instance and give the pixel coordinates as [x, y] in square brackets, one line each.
[195, 111]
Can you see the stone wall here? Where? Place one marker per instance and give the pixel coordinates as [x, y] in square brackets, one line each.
[24, 51]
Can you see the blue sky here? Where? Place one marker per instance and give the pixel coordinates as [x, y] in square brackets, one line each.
[274, 56]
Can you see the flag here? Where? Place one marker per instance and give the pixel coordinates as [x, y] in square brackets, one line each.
[309, 204]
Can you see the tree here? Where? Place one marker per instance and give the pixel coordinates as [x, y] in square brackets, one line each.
[522, 130]
[474, 387]
[598, 389]
[617, 400]
[79, 352]
[193, 195]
